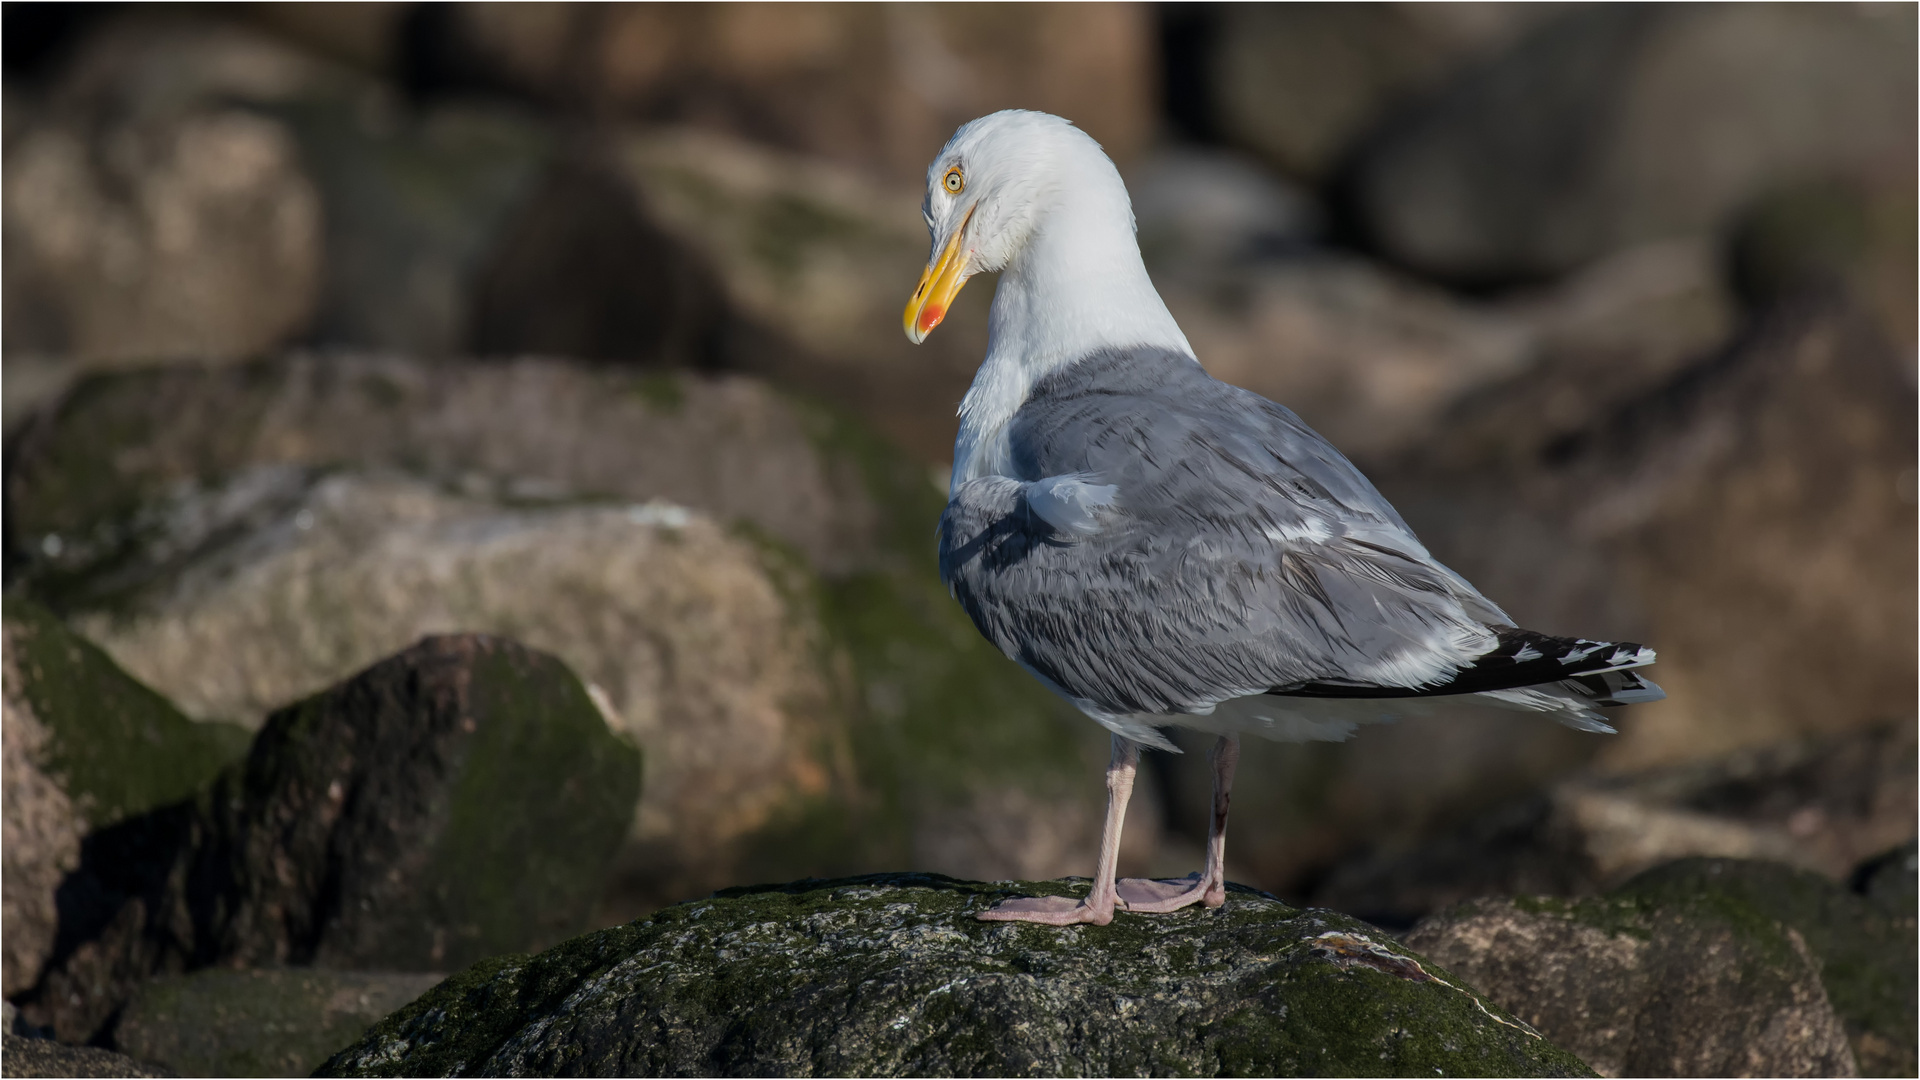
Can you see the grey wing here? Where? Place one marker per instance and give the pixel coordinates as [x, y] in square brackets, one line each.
[1171, 542]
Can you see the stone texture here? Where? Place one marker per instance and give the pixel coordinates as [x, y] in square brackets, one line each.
[85, 746]
[461, 799]
[891, 975]
[44, 1057]
[1611, 126]
[1865, 948]
[261, 1022]
[1665, 978]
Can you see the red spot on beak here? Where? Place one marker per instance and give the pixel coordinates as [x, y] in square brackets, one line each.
[930, 317]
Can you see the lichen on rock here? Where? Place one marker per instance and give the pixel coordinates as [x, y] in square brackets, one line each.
[892, 975]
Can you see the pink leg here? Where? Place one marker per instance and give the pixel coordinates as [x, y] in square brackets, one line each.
[1210, 886]
[1097, 908]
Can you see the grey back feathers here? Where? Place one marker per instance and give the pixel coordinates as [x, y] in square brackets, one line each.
[1166, 542]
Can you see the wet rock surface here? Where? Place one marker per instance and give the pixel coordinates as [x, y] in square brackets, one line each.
[891, 974]
[461, 799]
[260, 1022]
[1700, 967]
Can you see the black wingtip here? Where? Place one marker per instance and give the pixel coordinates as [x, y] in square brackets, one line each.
[1520, 658]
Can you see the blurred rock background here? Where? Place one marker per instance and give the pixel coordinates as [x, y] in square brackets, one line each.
[330, 327]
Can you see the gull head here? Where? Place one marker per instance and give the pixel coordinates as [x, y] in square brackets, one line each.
[1000, 181]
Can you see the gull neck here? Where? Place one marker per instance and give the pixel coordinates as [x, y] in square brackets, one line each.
[1078, 286]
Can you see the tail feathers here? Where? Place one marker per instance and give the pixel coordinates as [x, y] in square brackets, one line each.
[1521, 658]
[1576, 702]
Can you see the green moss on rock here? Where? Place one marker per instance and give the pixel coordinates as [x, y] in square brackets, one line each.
[893, 975]
[459, 799]
[1703, 967]
[1866, 953]
[114, 745]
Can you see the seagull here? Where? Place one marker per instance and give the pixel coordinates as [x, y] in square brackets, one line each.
[1162, 549]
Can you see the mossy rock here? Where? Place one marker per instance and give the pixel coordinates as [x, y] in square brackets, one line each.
[1687, 970]
[459, 799]
[114, 746]
[1867, 953]
[260, 1022]
[892, 975]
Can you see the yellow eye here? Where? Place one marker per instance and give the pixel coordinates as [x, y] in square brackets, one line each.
[953, 181]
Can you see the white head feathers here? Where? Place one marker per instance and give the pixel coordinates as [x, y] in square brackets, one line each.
[1039, 202]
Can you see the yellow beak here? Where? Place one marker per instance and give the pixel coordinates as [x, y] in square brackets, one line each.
[938, 286]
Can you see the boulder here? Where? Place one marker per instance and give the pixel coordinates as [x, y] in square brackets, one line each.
[192, 237]
[461, 799]
[1701, 967]
[707, 654]
[43, 1057]
[1611, 126]
[891, 974]
[86, 745]
[1865, 948]
[154, 208]
[259, 1022]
